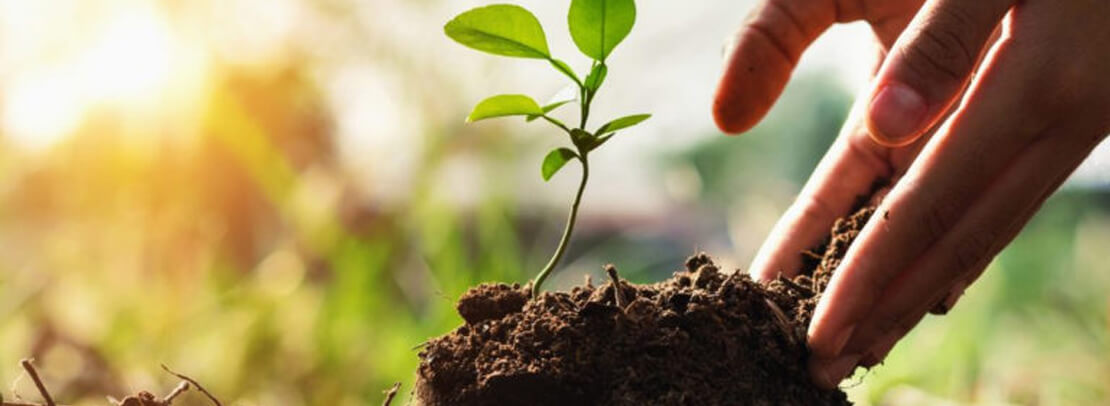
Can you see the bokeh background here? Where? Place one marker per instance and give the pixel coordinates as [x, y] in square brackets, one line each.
[280, 199]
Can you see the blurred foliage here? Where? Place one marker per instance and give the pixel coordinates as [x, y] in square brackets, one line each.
[240, 239]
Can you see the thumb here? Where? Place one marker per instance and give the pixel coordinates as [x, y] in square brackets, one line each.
[929, 66]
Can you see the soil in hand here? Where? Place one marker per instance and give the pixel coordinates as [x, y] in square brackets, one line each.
[703, 337]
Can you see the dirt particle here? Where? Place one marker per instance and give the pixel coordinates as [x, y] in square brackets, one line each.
[491, 301]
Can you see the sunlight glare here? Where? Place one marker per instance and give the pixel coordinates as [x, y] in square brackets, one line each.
[130, 61]
[126, 64]
[40, 109]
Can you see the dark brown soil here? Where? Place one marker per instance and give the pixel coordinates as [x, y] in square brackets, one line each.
[702, 337]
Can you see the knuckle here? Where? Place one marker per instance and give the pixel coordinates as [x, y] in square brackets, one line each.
[938, 218]
[862, 148]
[1057, 90]
[872, 284]
[889, 323]
[943, 49]
[1051, 93]
[850, 10]
[970, 253]
[789, 17]
[813, 207]
[886, 323]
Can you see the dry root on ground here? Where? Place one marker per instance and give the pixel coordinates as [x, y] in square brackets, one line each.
[142, 398]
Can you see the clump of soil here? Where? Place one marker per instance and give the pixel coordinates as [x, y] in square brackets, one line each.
[701, 337]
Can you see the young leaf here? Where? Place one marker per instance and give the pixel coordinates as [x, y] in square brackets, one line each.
[597, 26]
[579, 136]
[555, 160]
[505, 105]
[501, 29]
[622, 123]
[549, 108]
[596, 77]
[563, 67]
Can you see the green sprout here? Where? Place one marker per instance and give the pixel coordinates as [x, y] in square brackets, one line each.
[597, 27]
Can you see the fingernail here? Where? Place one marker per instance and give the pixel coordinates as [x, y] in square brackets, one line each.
[950, 300]
[955, 295]
[829, 375]
[896, 114]
[943, 307]
[869, 361]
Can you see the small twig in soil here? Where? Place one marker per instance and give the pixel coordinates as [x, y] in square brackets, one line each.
[391, 393]
[38, 382]
[195, 384]
[145, 398]
[781, 320]
[804, 291]
[589, 281]
[618, 292]
[727, 283]
[812, 255]
[181, 388]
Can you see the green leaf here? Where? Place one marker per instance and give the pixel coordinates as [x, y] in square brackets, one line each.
[505, 105]
[579, 136]
[596, 77]
[597, 26]
[501, 29]
[622, 123]
[555, 160]
[601, 140]
[549, 108]
[585, 141]
[563, 67]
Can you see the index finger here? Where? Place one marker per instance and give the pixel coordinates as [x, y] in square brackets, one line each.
[766, 49]
[848, 171]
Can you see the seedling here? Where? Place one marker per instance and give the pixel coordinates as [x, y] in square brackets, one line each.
[597, 27]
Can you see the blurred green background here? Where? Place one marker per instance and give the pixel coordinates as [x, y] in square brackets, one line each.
[280, 199]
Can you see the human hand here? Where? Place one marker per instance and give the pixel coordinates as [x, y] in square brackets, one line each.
[966, 177]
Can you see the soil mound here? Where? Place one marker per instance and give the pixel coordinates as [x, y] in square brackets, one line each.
[702, 337]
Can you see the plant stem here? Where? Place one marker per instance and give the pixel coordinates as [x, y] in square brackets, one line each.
[587, 99]
[584, 98]
[556, 123]
[538, 282]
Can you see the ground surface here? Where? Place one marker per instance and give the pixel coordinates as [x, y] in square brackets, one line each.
[701, 337]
